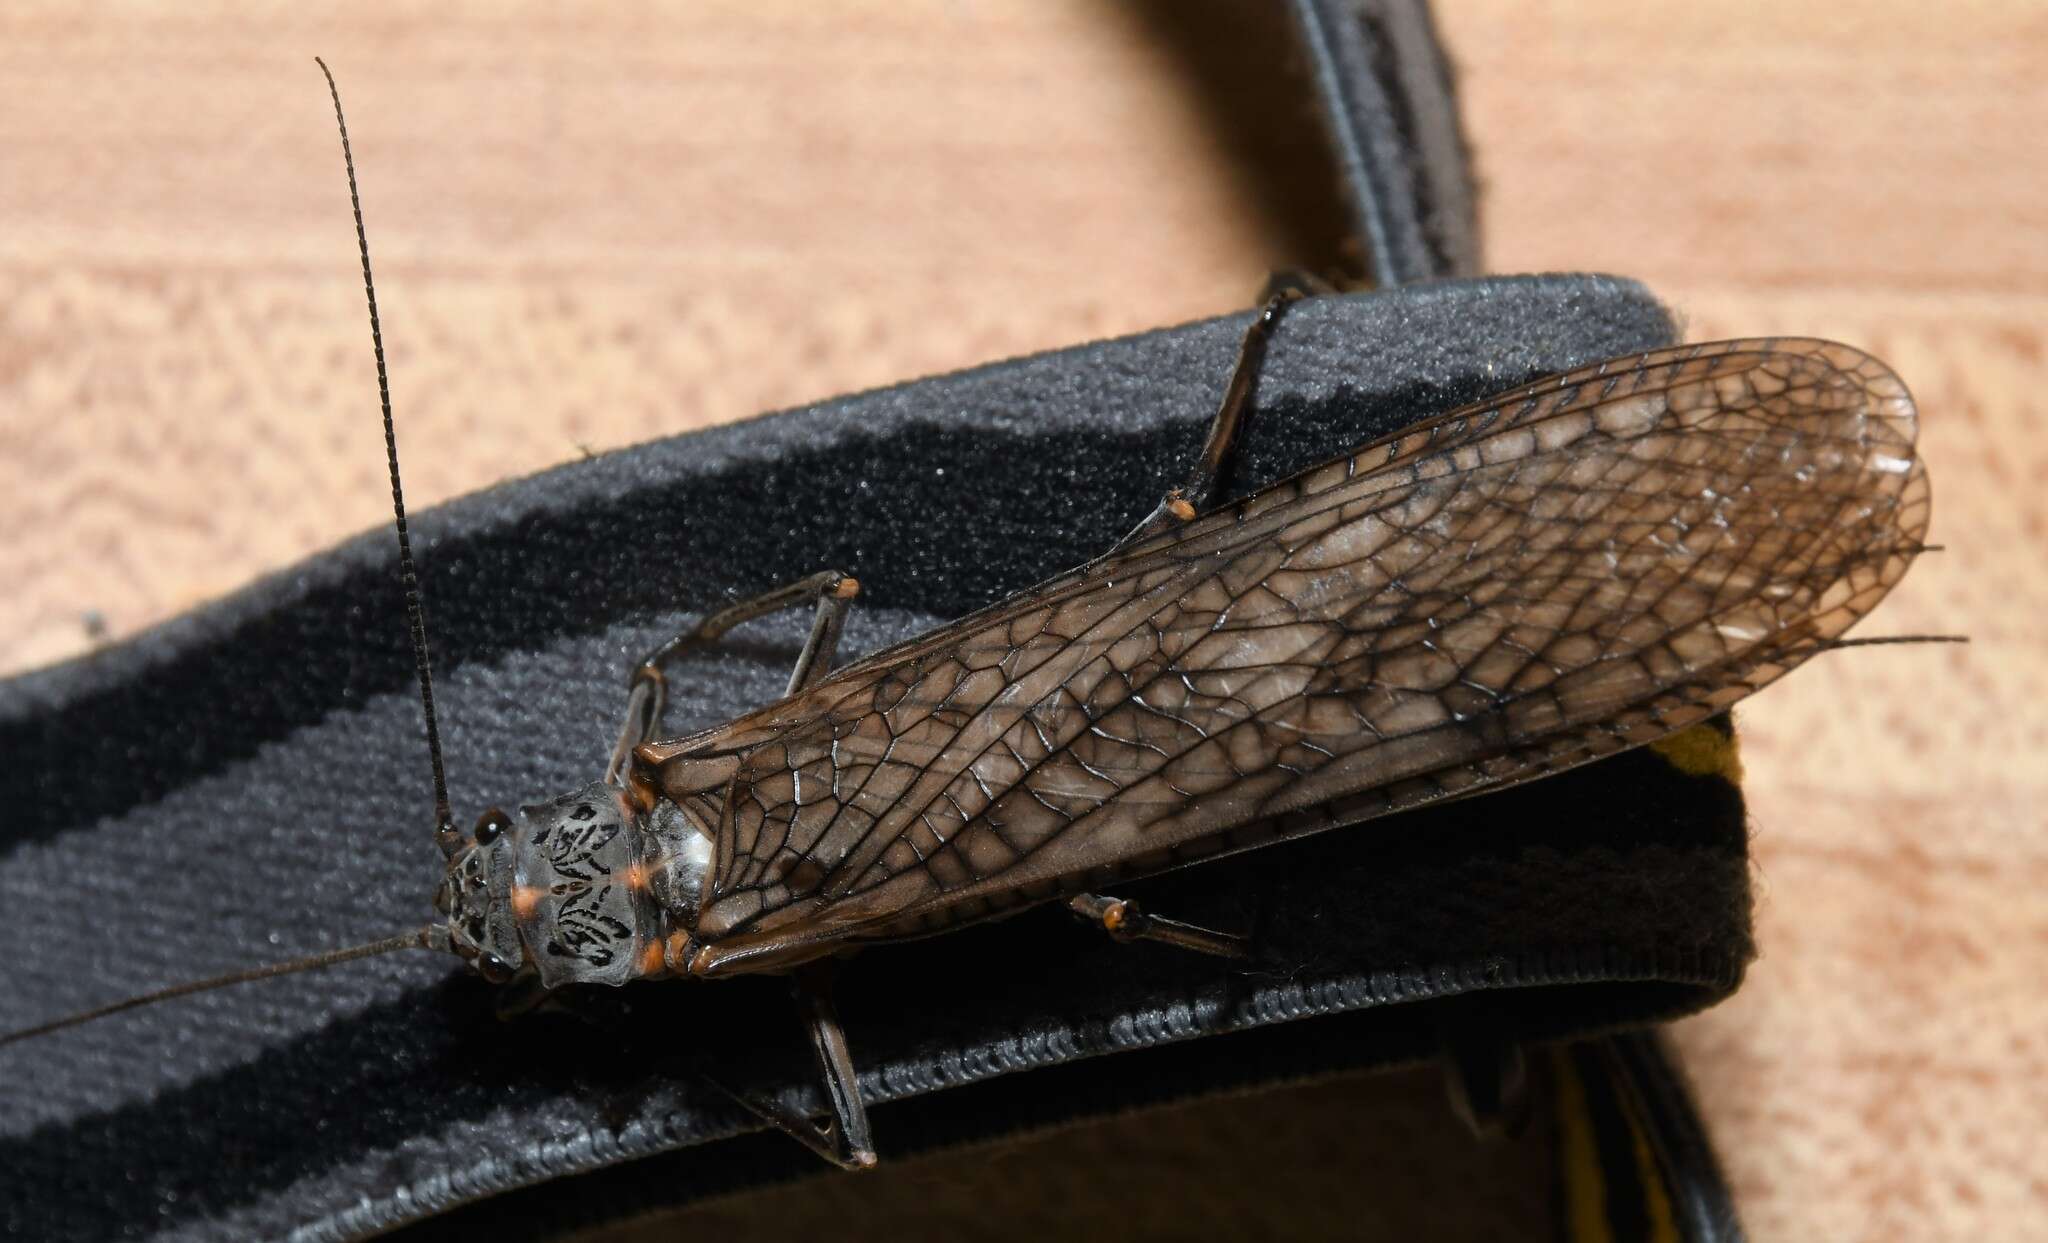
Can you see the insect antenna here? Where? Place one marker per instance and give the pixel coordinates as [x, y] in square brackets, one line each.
[444, 821]
[445, 832]
[416, 939]
[1836, 645]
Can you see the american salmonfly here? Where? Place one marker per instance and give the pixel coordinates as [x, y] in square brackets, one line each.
[1582, 565]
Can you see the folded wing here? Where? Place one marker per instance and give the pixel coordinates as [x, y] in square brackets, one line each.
[1580, 565]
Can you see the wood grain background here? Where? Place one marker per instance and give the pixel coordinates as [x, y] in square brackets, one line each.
[599, 227]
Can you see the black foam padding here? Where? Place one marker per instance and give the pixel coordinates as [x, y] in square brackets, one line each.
[248, 783]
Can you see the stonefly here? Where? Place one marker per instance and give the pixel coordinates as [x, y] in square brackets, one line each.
[1585, 564]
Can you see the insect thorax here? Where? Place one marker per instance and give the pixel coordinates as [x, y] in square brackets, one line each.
[598, 887]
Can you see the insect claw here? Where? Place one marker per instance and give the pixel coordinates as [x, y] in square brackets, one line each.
[1124, 922]
[1104, 913]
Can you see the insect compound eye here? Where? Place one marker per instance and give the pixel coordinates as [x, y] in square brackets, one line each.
[491, 825]
[493, 968]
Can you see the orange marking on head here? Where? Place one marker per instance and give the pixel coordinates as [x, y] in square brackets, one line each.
[1180, 509]
[622, 799]
[651, 960]
[1113, 918]
[639, 795]
[847, 589]
[526, 900]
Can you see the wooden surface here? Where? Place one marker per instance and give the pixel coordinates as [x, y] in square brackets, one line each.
[596, 229]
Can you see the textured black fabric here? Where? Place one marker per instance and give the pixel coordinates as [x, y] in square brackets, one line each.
[248, 783]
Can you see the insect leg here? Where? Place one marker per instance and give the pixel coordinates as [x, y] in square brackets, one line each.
[1487, 1079]
[845, 1140]
[1301, 281]
[831, 591]
[1181, 504]
[852, 1144]
[1123, 921]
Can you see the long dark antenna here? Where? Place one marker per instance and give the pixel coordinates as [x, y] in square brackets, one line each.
[445, 832]
[417, 939]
